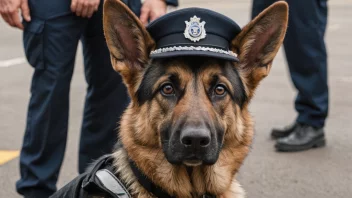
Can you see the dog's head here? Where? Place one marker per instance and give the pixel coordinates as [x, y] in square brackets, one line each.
[190, 107]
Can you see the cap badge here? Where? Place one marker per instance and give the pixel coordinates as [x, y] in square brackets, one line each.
[195, 30]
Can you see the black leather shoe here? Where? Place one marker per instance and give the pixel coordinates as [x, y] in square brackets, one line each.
[302, 138]
[284, 132]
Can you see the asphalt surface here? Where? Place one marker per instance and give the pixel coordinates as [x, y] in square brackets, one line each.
[318, 173]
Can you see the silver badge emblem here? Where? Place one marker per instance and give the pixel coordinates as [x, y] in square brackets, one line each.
[195, 30]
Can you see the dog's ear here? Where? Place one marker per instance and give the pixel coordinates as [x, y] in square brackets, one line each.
[128, 41]
[258, 43]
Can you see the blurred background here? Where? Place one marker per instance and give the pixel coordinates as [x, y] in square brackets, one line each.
[317, 173]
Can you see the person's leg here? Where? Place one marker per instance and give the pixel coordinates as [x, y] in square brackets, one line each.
[307, 59]
[106, 96]
[50, 47]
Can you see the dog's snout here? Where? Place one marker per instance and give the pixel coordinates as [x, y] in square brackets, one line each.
[197, 138]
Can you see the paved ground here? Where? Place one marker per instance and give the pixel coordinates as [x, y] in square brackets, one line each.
[320, 173]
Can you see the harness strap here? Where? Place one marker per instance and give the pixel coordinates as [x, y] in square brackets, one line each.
[102, 180]
[110, 182]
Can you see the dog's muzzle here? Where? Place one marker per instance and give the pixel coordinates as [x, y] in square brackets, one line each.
[192, 145]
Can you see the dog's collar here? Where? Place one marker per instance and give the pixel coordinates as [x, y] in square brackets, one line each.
[151, 187]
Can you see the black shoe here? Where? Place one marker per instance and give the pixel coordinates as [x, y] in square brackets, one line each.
[286, 131]
[302, 138]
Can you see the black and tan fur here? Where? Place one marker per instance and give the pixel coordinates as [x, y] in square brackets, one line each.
[150, 115]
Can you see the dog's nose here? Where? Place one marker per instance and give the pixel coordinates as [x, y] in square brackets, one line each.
[194, 137]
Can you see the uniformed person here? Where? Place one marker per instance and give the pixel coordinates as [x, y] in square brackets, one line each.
[52, 30]
[307, 61]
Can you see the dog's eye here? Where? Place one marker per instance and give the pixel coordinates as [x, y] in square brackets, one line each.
[167, 89]
[220, 90]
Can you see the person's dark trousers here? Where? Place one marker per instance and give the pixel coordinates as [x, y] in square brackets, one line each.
[306, 56]
[50, 46]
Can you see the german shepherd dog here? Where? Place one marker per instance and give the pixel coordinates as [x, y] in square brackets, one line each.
[188, 128]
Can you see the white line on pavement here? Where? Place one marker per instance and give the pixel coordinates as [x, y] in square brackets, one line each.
[12, 62]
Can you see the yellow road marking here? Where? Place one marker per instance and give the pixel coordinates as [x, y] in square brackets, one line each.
[6, 156]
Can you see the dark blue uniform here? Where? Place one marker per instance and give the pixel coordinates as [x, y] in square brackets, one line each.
[306, 56]
[50, 43]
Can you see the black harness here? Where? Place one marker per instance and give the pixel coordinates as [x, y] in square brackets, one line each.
[102, 181]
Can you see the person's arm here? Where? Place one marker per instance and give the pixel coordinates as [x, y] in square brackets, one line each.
[9, 10]
[84, 8]
[153, 9]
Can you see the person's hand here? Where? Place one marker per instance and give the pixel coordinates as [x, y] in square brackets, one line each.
[9, 10]
[84, 8]
[152, 9]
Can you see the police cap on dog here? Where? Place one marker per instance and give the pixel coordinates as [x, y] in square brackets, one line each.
[194, 32]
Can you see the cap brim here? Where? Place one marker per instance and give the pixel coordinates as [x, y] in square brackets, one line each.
[194, 53]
